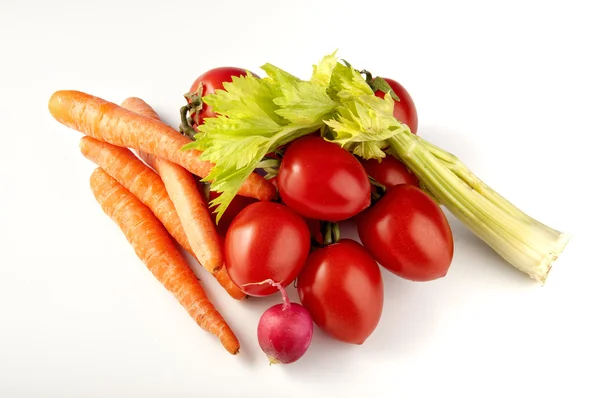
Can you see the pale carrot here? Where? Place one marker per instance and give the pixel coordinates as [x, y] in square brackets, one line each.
[146, 186]
[154, 246]
[111, 123]
[183, 191]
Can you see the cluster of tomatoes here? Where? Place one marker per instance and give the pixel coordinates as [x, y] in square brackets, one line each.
[339, 281]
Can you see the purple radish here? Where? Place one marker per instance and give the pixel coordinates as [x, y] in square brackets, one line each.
[285, 330]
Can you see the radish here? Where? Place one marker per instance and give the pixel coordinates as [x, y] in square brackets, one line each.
[285, 330]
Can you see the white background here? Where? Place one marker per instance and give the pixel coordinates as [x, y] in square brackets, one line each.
[512, 88]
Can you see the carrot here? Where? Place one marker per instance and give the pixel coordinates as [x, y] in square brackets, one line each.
[139, 106]
[154, 246]
[122, 165]
[183, 191]
[111, 123]
[166, 168]
[192, 211]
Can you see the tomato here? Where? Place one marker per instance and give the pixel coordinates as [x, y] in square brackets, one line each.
[408, 233]
[389, 172]
[342, 288]
[404, 110]
[321, 180]
[314, 226]
[238, 204]
[213, 80]
[266, 240]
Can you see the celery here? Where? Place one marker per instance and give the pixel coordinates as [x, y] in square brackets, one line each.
[525, 243]
[257, 116]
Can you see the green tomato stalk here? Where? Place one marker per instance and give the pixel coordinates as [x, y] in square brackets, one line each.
[522, 241]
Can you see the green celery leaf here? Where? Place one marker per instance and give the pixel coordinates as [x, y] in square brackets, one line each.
[300, 101]
[363, 123]
[369, 149]
[234, 157]
[245, 97]
[365, 118]
[250, 124]
[256, 116]
[324, 69]
[347, 83]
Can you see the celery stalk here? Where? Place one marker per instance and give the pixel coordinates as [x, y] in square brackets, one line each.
[522, 241]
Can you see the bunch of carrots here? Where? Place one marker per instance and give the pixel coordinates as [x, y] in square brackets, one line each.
[147, 185]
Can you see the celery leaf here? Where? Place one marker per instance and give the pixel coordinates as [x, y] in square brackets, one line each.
[300, 101]
[254, 117]
[324, 69]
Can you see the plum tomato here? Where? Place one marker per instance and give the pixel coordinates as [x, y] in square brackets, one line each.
[389, 172]
[213, 80]
[404, 110]
[342, 289]
[407, 232]
[321, 180]
[266, 240]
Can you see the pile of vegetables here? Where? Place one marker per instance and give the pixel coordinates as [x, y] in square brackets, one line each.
[256, 180]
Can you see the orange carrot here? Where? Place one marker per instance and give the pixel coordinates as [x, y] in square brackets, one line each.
[139, 106]
[111, 123]
[225, 281]
[147, 186]
[122, 165]
[183, 191]
[154, 246]
[194, 216]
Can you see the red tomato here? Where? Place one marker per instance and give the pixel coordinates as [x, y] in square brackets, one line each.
[314, 226]
[389, 172]
[408, 233]
[342, 288]
[213, 80]
[266, 240]
[321, 180]
[404, 110]
[238, 204]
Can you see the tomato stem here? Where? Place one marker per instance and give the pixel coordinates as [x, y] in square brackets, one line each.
[194, 105]
[335, 230]
[368, 77]
[327, 233]
[522, 241]
[379, 190]
[331, 233]
[379, 84]
[185, 127]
